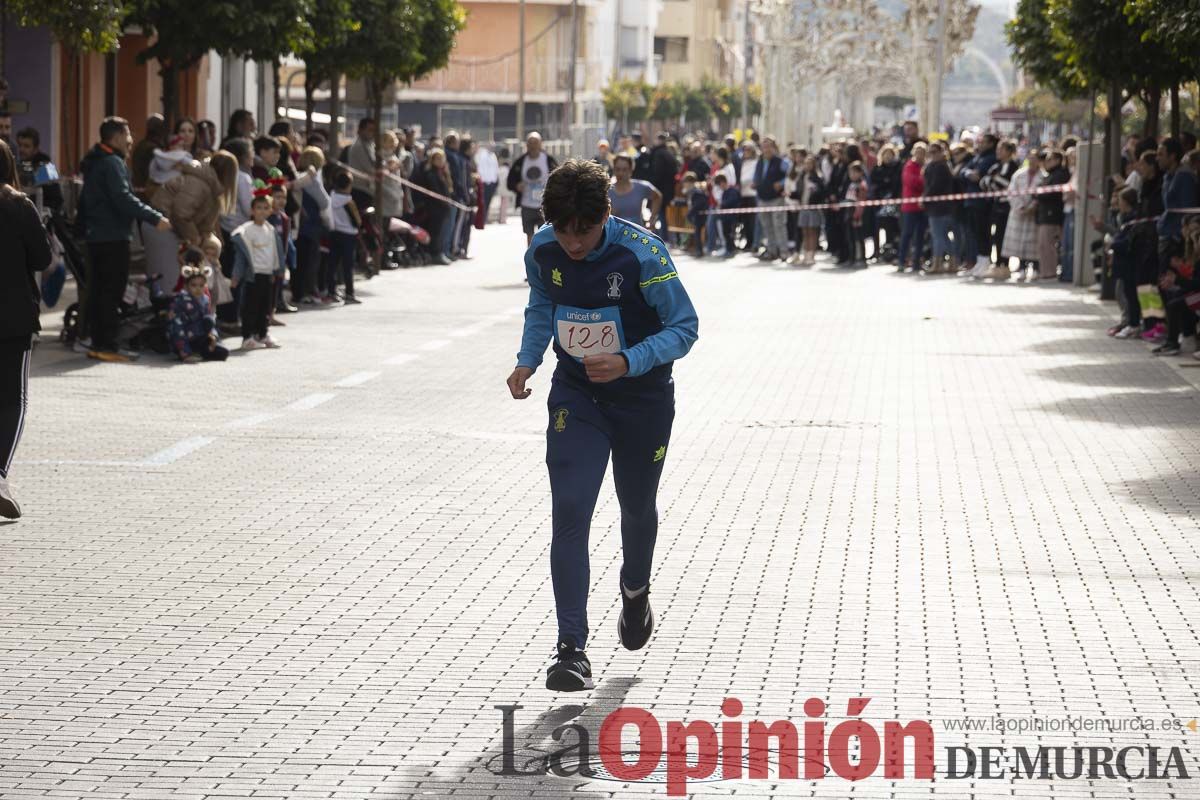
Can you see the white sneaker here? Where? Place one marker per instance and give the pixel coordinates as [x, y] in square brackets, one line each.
[268, 342]
[82, 346]
[250, 343]
[1128, 332]
[8, 504]
[998, 273]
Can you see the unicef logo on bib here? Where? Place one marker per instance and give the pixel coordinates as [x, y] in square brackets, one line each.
[597, 316]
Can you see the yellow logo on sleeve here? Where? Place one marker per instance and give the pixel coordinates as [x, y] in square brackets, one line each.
[560, 419]
[660, 453]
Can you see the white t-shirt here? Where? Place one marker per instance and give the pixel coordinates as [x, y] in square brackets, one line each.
[533, 174]
[342, 221]
[748, 167]
[487, 165]
[261, 241]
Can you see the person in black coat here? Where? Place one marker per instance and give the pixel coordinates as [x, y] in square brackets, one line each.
[26, 252]
[663, 168]
[885, 185]
[1049, 214]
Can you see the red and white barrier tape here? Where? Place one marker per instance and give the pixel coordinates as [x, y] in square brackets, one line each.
[894, 201]
[406, 182]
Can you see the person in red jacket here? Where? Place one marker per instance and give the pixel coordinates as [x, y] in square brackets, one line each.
[912, 213]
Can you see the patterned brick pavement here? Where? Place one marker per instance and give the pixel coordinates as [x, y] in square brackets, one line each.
[313, 573]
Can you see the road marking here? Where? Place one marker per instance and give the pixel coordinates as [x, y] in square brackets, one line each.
[176, 451]
[498, 437]
[471, 330]
[434, 344]
[357, 379]
[310, 401]
[403, 358]
[251, 421]
[78, 463]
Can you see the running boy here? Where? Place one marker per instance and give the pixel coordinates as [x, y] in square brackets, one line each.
[608, 294]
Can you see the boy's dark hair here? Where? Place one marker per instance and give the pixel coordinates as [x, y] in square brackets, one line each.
[111, 126]
[623, 157]
[261, 198]
[193, 256]
[278, 188]
[31, 134]
[720, 179]
[266, 143]
[576, 195]
[364, 122]
[239, 148]
[1173, 147]
[1130, 196]
[342, 181]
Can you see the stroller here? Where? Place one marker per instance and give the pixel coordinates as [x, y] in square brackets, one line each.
[405, 244]
[143, 310]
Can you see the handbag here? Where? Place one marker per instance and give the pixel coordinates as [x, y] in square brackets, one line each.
[1150, 301]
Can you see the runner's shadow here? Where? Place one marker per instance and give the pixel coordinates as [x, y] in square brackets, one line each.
[533, 746]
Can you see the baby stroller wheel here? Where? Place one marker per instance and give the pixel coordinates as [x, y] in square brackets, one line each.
[70, 326]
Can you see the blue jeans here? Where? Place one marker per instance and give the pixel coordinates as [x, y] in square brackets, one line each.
[912, 235]
[939, 234]
[580, 435]
[447, 237]
[714, 233]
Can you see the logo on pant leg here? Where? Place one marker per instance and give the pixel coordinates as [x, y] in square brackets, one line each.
[660, 453]
[560, 419]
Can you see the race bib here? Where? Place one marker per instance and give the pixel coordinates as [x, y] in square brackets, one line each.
[588, 331]
[535, 192]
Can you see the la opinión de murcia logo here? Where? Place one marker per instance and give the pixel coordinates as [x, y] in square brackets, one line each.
[735, 749]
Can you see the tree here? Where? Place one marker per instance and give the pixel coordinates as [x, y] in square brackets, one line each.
[921, 26]
[332, 22]
[80, 26]
[397, 41]
[183, 31]
[626, 100]
[1035, 50]
[1173, 25]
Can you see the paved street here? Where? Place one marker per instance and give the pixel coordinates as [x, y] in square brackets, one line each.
[313, 573]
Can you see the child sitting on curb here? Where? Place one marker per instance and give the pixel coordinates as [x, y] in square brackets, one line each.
[191, 320]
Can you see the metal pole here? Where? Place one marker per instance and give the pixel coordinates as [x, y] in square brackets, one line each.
[749, 58]
[935, 121]
[570, 117]
[616, 70]
[521, 76]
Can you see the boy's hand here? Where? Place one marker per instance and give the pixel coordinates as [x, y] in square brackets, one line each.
[233, 283]
[605, 368]
[516, 383]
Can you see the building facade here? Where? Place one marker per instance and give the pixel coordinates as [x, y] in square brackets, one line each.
[64, 98]
[478, 91]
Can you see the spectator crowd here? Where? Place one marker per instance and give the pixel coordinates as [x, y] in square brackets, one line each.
[271, 222]
[275, 222]
[1013, 210]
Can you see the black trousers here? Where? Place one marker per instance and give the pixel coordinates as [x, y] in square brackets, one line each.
[1181, 320]
[1125, 273]
[14, 397]
[980, 218]
[110, 275]
[1000, 223]
[308, 262]
[258, 299]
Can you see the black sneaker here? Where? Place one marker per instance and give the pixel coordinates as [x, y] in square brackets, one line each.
[637, 619]
[1166, 349]
[571, 670]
